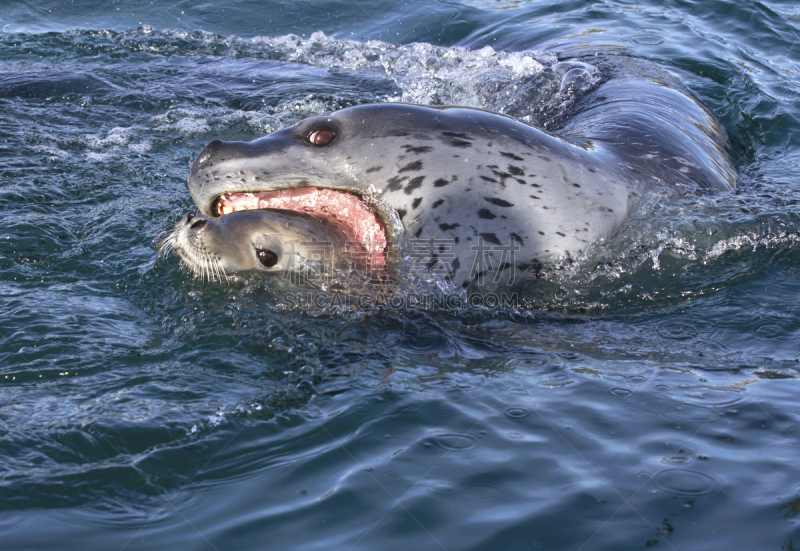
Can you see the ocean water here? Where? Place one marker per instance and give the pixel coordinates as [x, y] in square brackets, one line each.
[645, 397]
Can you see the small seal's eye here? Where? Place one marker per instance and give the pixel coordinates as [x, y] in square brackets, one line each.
[320, 137]
[267, 257]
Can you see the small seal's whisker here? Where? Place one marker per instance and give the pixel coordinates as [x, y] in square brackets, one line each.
[165, 247]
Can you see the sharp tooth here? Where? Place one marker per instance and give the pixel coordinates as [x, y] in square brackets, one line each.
[249, 195]
[226, 210]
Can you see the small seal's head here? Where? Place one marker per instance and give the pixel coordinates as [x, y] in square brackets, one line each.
[268, 241]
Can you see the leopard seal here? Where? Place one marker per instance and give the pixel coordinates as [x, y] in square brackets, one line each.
[479, 197]
[275, 242]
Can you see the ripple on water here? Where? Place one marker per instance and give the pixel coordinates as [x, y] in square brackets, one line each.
[683, 456]
[769, 331]
[676, 331]
[212, 18]
[443, 487]
[621, 392]
[686, 482]
[648, 36]
[456, 442]
[516, 412]
[635, 376]
[715, 396]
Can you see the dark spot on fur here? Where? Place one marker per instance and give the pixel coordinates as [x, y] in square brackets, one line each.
[491, 238]
[418, 149]
[488, 179]
[517, 238]
[437, 203]
[486, 214]
[541, 233]
[515, 170]
[441, 182]
[416, 165]
[457, 135]
[401, 213]
[455, 264]
[592, 170]
[534, 197]
[413, 184]
[499, 202]
[416, 203]
[396, 182]
[561, 234]
[457, 139]
[419, 232]
[445, 227]
[521, 181]
[576, 185]
[374, 169]
[511, 156]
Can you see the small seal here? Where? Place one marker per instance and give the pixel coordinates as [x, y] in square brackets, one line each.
[482, 197]
[276, 242]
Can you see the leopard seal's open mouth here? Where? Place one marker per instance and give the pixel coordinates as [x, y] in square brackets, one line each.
[345, 211]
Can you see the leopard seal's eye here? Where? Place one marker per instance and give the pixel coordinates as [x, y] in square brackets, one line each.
[321, 137]
[267, 257]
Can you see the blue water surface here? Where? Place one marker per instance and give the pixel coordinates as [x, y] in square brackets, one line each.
[646, 397]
